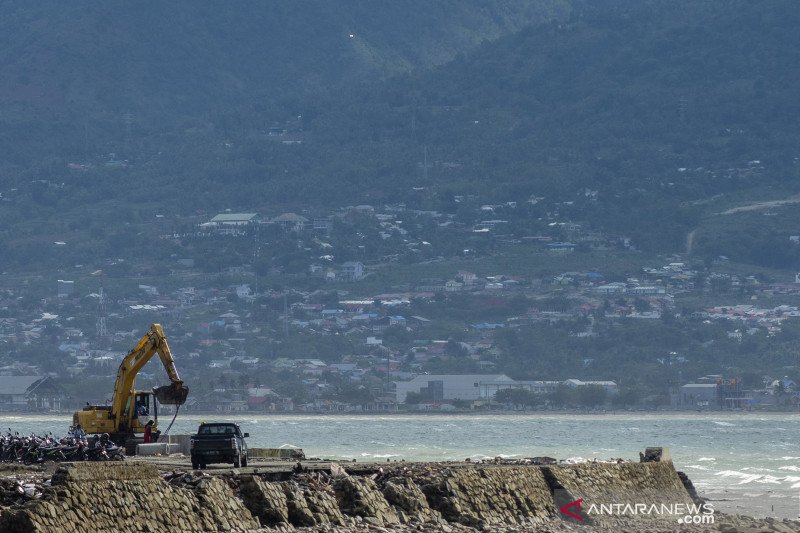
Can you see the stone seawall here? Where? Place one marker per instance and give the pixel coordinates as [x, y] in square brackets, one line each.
[135, 496]
[127, 497]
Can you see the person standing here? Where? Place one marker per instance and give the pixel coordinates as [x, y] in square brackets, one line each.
[148, 432]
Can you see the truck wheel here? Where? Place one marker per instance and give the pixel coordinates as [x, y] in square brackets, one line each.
[237, 461]
[244, 461]
[195, 464]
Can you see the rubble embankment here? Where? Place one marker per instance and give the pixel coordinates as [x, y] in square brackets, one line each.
[136, 496]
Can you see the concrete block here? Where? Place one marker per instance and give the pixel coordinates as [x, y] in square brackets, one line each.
[656, 454]
[156, 448]
[183, 442]
[276, 453]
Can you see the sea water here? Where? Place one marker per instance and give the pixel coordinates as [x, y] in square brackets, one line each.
[746, 462]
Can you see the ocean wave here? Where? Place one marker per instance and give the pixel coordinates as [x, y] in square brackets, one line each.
[790, 468]
[745, 478]
[707, 459]
[698, 467]
[719, 423]
[732, 473]
[574, 460]
[381, 443]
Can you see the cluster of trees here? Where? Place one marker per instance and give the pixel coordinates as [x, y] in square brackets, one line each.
[586, 396]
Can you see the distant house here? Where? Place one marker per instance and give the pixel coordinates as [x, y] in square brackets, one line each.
[453, 286]
[290, 221]
[243, 292]
[322, 224]
[231, 223]
[29, 393]
[646, 290]
[611, 288]
[560, 247]
[352, 271]
[698, 395]
[609, 386]
[65, 288]
[467, 278]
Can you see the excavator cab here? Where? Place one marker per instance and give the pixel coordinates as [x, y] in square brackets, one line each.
[142, 406]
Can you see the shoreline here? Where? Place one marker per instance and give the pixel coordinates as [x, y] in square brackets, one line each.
[714, 448]
[460, 413]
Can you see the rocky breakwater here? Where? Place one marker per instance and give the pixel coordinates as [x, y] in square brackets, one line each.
[395, 495]
[613, 491]
[127, 497]
[135, 496]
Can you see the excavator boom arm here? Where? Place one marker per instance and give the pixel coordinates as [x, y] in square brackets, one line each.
[154, 341]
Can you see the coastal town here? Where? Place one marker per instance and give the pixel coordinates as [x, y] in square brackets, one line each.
[341, 267]
[382, 309]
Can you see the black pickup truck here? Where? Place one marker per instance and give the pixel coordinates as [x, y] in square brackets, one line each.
[219, 442]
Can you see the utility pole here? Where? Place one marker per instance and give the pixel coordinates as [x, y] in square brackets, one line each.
[127, 119]
[102, 330]
[285, 317]
[256, 253]
[86, 137]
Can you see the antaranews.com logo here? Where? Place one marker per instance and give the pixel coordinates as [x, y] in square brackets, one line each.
[684, 513]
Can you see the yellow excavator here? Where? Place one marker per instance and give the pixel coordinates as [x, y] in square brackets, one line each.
[130, 410]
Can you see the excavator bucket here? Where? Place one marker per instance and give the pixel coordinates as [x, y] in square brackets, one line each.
[174, 394]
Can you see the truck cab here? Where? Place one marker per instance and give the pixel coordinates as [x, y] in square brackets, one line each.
[219, 442]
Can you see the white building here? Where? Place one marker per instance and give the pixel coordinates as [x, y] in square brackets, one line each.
[231, 223]
[609, 386]
[352, 271]
[452, 386]
[698, 394]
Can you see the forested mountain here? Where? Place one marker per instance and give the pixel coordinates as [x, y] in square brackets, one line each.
[71, 71]
[323, 103]
[617, 100]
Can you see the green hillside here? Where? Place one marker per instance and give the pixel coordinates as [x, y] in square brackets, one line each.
[628, 116]
[70, 72]
[656, 106]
